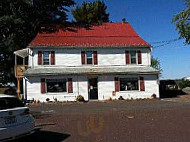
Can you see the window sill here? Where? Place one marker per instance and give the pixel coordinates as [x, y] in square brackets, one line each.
[59, 93]
[129, 91]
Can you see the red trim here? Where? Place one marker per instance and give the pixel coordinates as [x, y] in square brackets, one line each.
[39, 57]
[142, 85]
[95, 57]
[127, 57]
[70, 85]
[43, 85]
[83, 57]
[117, 84]
[139, 57]
[52, 57]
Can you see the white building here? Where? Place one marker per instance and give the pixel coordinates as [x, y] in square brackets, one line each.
[108, 60]
[187, 78]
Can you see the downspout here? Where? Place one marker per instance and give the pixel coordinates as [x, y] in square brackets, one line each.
[78, 84]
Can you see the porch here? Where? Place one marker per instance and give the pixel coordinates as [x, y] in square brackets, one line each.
[21, 65]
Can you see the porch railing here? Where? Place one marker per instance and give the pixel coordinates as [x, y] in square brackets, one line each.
[19, 70]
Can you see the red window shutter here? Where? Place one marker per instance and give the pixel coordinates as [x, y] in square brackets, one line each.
[83, 57]
[39, 57]
[142, 85]
[70, 85]
[95, 57]
[52, 57]
[139, 57]
[127, 57]
[43, 86]
[116, 84]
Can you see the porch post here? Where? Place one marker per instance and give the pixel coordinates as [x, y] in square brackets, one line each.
[18, 88]
[15, 59]
[18, 85]
[23, 61]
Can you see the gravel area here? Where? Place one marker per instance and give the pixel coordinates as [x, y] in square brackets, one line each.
[166, 120]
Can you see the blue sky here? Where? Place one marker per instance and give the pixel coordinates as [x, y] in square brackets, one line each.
[152, 21]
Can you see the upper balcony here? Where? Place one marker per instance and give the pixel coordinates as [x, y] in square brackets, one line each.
[21, 62]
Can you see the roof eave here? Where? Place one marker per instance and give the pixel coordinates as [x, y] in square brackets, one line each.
[92, 73]
[83, 46]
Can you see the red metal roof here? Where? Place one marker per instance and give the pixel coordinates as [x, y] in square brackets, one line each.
[105, 35]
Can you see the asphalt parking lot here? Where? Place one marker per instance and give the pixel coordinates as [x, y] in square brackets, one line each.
[166, 120]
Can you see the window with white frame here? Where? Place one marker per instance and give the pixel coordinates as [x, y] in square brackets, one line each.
[133, 57]
[89, 57]
[127, 84]
[46, 58]
[56, 85]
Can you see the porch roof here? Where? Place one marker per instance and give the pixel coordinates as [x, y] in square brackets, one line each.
[90, 70]
[22, 53]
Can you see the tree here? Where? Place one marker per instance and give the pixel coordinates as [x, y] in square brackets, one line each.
[183, 83]
[20, 21]
[155, 63]
[91, 13]
[182, 21]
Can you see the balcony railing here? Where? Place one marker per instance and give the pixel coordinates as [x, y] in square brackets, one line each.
[19, 70]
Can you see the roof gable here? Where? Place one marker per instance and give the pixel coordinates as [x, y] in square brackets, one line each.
[105, 35]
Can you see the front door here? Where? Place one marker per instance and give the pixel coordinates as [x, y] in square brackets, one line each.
[93, 88]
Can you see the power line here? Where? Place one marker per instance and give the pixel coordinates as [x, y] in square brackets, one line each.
[163, 43]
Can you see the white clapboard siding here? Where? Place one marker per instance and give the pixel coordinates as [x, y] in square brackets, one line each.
[80, 87]
[106, 56]
[106, 86]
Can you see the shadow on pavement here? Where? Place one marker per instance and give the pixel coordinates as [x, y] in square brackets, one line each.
[44, 136]
[171, 93]
[39, 115]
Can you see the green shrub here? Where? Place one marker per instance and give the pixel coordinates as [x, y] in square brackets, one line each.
[80, 98]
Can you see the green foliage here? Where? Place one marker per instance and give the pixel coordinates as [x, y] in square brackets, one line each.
[20, 21]
[183, 83]
[182, 21]
[91, 13]
[155, 63]
[80, 98]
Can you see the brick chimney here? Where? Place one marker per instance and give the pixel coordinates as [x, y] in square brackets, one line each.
[123, 21]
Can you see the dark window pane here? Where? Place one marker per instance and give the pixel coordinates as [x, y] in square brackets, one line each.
[129, 84]
[133, 60]
[56, 85]
[89, 61]
[7, 103]
[133, 57]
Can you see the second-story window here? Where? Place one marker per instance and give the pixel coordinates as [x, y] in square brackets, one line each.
[89, 57]
[133, 57]
[46, 58]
